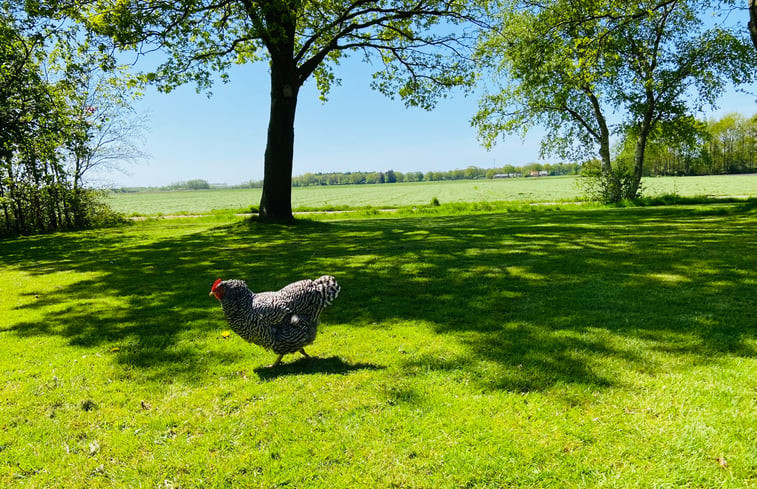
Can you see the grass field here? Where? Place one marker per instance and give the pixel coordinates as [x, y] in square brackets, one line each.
[608, 348]
[551, 189]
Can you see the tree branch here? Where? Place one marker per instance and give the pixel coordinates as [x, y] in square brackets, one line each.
[385, 18]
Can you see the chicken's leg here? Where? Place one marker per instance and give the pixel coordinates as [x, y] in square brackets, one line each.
[278, 360]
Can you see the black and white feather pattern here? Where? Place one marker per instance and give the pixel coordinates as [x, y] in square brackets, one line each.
[284, 321]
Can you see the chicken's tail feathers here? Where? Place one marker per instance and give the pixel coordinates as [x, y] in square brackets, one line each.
[328, 287]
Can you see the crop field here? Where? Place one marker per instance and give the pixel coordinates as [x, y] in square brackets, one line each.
[547, 189]
[582, 347]
[351, 196]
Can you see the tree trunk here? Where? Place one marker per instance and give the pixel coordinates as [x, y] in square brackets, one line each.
[6, 214]
[15, 196]
[603, 135]
[276, 201]
[641, 145]
[753, 21]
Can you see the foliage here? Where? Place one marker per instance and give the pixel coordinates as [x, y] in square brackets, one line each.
[713, 147]
[196, 184]
[419, 47]
[731, 144]
[391, 176]
[51, 133]
[203, 39]
[542, 78]
[609, 187]
[564, 64]
[581, 348]
[34, 191]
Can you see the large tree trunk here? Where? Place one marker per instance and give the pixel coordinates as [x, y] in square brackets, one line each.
[753, 21]
[276, 201]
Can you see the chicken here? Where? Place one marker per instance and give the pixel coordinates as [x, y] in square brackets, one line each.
[284, 321]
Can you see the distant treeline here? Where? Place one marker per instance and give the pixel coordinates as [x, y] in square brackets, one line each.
[389, 176]
[188, 185]
[392, 176]
[717, 147]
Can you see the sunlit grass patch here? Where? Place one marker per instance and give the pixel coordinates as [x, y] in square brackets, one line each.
[577, 347]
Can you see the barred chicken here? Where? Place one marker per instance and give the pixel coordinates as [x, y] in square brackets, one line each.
[285, 321]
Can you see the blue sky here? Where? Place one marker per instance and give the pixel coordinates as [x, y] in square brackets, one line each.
[221, 139]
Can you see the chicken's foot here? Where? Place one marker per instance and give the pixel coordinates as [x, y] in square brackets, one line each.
[278, 360]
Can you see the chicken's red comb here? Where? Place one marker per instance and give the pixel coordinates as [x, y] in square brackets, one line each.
[215, 284]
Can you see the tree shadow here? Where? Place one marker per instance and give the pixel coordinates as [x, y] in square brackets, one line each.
[536, 299]
[313, 365]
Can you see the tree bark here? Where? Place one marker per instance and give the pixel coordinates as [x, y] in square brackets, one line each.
[276, 201]
[6, 214]
[645, 127]
[753, 21]
[603, 135]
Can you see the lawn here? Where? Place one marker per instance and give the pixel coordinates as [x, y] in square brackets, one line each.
[549, 189]
[566, 348]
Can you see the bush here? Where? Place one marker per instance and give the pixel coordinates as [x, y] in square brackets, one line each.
[97, 212]
[617, 186]
[33, 210]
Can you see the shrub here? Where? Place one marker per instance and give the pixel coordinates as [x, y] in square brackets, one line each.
[32, 210]
[613, 187]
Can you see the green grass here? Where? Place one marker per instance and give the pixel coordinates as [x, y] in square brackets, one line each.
[551, 189]
[572, 348]
[350, 196]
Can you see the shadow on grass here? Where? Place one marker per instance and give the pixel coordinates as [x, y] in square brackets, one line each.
[313, 365]
[537, 299]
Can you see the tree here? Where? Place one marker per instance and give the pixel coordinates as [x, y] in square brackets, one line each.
[732, 143]
[676, 68]
[414, 176]
[717, 146]
[752, 25]
[545, 79]
[566, 62]
[410, 39]
[111, 131]
[47, 132]
[33, 123]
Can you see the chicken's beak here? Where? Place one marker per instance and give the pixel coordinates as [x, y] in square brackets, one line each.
[211, 294]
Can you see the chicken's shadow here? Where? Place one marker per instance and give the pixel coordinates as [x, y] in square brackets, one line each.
[314, 365]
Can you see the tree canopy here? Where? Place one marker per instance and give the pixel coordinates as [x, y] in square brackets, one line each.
[587, 69]
[52, 129]
[418, 47]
